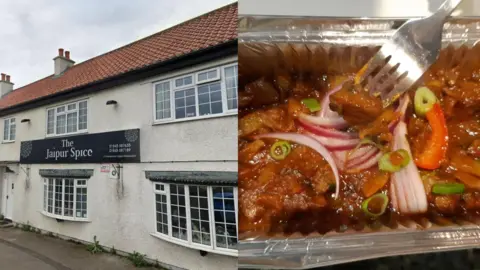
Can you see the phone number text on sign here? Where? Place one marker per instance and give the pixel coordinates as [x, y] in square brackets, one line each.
[120, 148]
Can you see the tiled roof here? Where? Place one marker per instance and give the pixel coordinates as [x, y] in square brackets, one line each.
[210, 29]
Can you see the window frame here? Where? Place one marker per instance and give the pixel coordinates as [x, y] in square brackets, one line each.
[9, 140]
[44, 210]
[195, 85]
[211, 212]
[217, 78]
[185, 86]
[225, 83]
[55, 114]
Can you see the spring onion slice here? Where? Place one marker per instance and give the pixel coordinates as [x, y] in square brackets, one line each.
[312, 104]
[424, 100]
[448, 188]
[280, 150]
[394, 161]
[375, 205]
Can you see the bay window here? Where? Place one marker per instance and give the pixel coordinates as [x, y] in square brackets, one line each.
[202, 217]
[203, 94]
[67, 119]
[65, 198]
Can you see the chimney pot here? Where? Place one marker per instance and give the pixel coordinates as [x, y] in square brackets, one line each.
[5, 85]
[62, 62]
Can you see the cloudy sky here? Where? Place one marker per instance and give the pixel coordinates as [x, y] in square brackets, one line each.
[32, 31]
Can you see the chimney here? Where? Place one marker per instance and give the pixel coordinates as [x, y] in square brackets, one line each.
[5, 85]
[62, 62]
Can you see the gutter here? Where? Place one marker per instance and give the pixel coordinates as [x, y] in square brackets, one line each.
[226, 49]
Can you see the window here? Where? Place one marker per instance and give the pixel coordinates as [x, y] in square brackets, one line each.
[65, 198]
[9, 129]
[184, 81]
[209, 92]
[208, 76]
[231, 82]
[202, 217]
[67, 119]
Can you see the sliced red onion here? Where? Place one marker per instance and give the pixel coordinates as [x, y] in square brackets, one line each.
[326, 117]
[407, 186]
[305, 122]
[325, 110]
[361, 151]
[355, 158]
[340, 158]
[402, 109]
[312, 143]
[324, 121]
[353, 163]
[334, 144]
[370, 162]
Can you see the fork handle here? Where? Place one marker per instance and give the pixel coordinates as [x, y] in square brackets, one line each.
[445, 9]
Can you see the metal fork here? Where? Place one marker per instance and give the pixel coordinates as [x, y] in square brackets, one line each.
[402, 60]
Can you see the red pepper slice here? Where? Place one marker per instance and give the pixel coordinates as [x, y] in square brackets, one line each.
[436, 146]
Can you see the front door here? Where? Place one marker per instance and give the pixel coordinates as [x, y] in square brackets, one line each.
[8, 188]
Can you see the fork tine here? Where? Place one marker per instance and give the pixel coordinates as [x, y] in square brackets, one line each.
[396, 72]
[378, 60]
[397, 91]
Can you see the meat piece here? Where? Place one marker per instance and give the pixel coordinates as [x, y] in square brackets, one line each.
[469, 180]
[379, 125]
[466, 92]
[275, 119]
[323, 180]
[284, 83]
[374, 183]
[295, 107]
[416, 126]
[463, 133]
[302, 88]
[356, 106]
[474, 149]
[262, 93]
[248, 205]
[472, 200]
[449, 106]
[465, 163]
[244, 99]
[447, 204]
[300, 202]
[247, 153]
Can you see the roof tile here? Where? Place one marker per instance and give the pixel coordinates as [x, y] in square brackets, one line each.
[216, 27]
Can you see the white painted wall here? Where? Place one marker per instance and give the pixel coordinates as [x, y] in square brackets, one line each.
[352, 8]
[127, 221]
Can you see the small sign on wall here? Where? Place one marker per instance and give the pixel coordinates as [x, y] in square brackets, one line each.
[105, 168]
[114, 171]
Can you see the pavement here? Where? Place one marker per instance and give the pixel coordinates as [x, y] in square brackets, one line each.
[21, 250]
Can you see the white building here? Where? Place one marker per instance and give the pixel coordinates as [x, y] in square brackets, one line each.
[136, 147]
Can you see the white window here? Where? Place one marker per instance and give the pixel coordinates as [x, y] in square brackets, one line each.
[184, 81]
[208, 75]
[210, 92]
[65, 198]
[202, 217]
[231, 83]
[67, 119]
[9, 129]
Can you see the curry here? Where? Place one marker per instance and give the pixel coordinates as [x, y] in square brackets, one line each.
[317, 153]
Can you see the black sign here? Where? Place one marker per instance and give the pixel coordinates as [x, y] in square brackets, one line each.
[117, 146]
